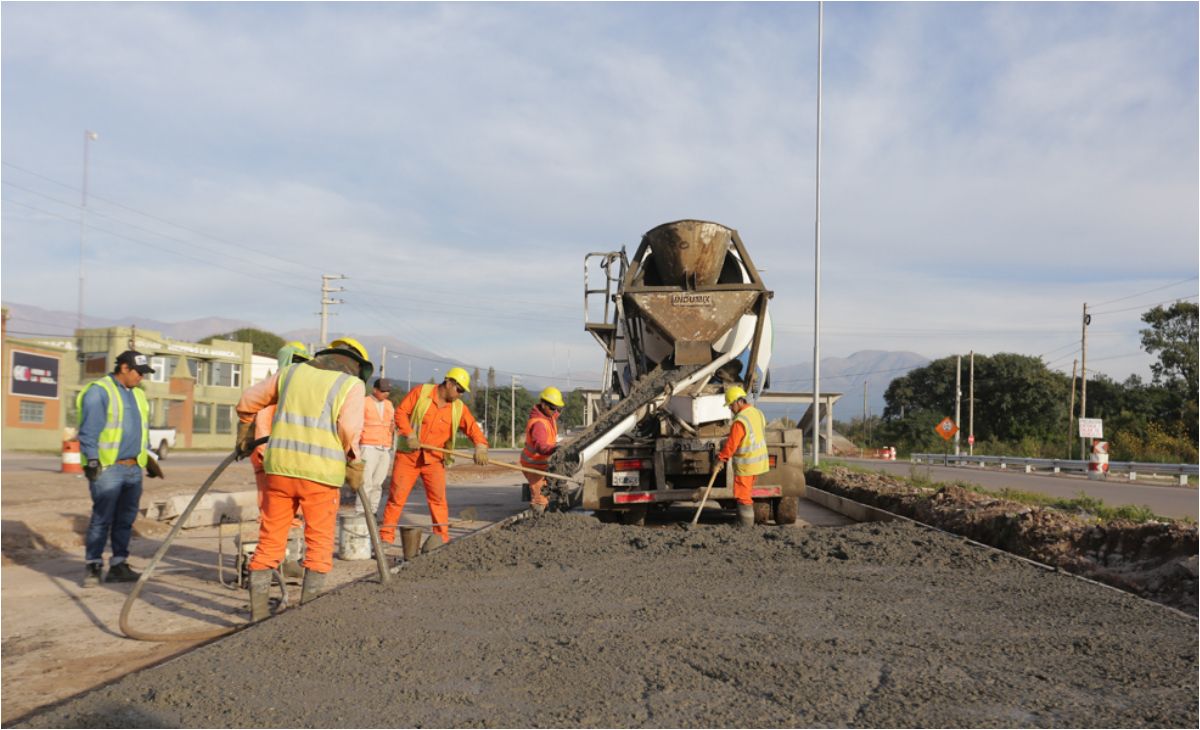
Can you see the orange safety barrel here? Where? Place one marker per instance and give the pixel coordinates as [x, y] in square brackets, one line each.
[72, 461]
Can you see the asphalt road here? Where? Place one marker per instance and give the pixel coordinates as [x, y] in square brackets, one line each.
[1166, 500]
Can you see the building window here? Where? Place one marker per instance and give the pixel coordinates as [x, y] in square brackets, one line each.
[33, 412]
[224, 419]
[95, 363]
[224, 374]
[160, 374]
[202, 418]
[236, 376]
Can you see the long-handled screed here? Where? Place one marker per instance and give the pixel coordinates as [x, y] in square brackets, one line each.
[503, 465]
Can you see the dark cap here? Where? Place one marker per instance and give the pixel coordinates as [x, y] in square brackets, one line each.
[383, 384]
[136, 361]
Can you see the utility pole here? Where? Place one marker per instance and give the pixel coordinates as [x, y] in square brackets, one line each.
[971, 409]
[1071, 409]
[133, 337]
[88, 136]
[326, 290]
[512, 428]
[1087, 319]
[957, 400]
[383, 362]
[816, 425]
[864, 410]
[409, 381]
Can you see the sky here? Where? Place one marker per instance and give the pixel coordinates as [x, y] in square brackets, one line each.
[986, 169]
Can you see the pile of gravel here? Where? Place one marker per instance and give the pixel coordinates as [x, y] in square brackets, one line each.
[565, 621]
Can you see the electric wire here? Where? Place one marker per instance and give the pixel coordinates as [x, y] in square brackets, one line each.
[1148, 291]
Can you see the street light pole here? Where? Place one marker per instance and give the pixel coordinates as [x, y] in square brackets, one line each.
[816, 425]
[88, 137]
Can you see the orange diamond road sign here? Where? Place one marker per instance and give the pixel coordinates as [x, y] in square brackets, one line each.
[947, 428]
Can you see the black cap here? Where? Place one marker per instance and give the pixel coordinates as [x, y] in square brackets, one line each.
[136, 361]
[383, 384]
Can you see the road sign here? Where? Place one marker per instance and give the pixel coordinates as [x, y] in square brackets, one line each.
[971, 440]
[947, 428]
[1091, 428]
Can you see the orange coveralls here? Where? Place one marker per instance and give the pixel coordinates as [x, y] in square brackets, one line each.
[283, 495]
[743, 486]
[541, 438]
[436, 429]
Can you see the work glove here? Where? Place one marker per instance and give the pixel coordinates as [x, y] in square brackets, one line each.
[354, 474]
[245, 439]
[481, 457]
[92, 470]
[413, 441]
[153, 469]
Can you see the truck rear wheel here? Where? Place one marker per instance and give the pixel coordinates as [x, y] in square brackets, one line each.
[762, 512]
[786, 510]
[635, 516]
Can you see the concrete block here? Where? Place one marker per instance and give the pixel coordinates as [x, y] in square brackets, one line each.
[212, 508]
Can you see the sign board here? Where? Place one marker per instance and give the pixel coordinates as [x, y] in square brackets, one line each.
[1091, 428]
[971, 440]
[947, 428]
[34, 376]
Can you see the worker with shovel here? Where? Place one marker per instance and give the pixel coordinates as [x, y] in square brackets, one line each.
[314, 449]
[747, 446]
[541, 439]
[431, 415]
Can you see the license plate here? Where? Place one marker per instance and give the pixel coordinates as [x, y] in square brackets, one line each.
[626, 479]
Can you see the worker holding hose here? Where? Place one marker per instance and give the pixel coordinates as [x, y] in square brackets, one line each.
[747, 446]
[431, 415]
[541, 439]
[314, 449]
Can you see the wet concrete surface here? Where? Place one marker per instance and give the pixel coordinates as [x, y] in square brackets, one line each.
[564, 621]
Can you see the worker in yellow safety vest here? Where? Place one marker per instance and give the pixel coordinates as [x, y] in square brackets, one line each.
[747, 446]
[314, 449]
[541, 439]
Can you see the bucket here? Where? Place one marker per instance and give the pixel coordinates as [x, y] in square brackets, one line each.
[72, 462]
[354, 542]
[410, 540]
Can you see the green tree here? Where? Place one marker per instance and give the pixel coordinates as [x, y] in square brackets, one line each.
[261, 341]
[1172, 335]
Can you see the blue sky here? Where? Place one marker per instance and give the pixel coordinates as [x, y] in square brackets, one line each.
[987, 168]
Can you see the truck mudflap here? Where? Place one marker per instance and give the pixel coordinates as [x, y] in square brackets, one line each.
[689, 495]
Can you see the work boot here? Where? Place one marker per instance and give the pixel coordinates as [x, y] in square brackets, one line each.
[745, 515]
[91, 578]
[538, 509]
[121, 573]
[260, 589]
[314, 582]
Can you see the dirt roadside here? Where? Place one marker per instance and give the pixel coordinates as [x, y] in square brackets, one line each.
[565, 621]
[59, 639]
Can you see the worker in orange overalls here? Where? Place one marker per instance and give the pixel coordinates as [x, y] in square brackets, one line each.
[431, 415]
[541, 439]
[314, 449]
[747, 446]
[292, 352]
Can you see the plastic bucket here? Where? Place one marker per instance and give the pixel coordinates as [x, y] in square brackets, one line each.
[410, 540]
[354, 542]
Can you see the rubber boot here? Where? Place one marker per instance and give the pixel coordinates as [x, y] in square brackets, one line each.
[314, 583]
[260, 589]
[745, 515]
[538, 509]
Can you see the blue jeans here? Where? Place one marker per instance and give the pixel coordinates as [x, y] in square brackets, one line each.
[115, 496]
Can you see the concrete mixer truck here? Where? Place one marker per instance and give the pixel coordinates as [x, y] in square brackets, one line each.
[680, 320]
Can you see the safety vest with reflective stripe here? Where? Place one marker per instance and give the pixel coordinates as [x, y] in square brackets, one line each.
[304, 435]
[424, 400]
[109, 442]
[750, 459]
[529, 455]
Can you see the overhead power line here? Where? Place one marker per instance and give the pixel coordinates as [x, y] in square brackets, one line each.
[1148, 291]
[1147, 306]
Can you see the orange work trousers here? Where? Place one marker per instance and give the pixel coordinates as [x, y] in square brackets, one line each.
[319, 505]
[743, 488]
[407, 469]
[536, 482]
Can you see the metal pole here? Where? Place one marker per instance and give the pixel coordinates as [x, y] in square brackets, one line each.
[971, 409]
[512, 407]
[957, 401]
[383, 362]
[1071, 409]
[816, 426]
[409, 374]
[1083, 377]
[326, 290]
[88, 136]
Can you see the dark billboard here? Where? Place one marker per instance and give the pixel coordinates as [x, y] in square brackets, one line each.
[34, 375]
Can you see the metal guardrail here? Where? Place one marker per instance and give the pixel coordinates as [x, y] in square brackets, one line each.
[1129, 468]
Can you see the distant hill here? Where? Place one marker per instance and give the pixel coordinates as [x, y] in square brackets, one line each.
[846, 375]
[25, 318]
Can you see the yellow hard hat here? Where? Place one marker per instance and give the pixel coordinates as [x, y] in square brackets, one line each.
[299, 349]
[553, 396]
[733, 394]
[461, 377]
[349, 343]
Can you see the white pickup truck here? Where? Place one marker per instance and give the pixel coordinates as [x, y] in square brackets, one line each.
[162, 440]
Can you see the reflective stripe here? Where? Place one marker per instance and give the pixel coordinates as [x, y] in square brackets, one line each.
[304, 448]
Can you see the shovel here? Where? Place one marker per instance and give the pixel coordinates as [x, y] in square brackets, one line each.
[711, 480]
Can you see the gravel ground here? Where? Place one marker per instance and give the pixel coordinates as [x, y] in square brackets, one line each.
[568, 622]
